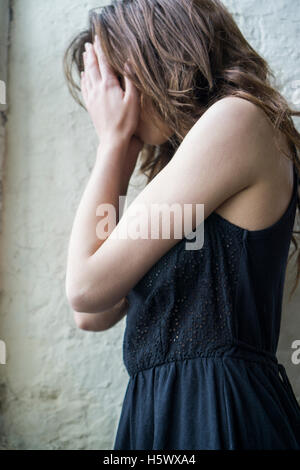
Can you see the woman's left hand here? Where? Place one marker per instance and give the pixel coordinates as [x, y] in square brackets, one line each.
[114, 112]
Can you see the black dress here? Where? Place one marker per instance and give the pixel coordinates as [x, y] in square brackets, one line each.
[200, 345]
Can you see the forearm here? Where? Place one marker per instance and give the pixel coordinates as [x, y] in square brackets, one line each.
[107, 182]
[103, 320]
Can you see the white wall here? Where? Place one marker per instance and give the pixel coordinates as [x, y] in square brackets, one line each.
[62, 388]
[4, 38]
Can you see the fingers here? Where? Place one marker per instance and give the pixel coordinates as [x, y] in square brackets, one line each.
[131, 91]
[87, 78]
[106, 72]
[91, 65]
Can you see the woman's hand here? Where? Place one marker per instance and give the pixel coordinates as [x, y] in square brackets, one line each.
[114, 112]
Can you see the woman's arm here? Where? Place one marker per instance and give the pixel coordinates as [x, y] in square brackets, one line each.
[108, 181]
[219, 157]
[104, 320]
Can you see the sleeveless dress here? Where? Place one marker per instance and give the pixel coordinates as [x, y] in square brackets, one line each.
[200, 345]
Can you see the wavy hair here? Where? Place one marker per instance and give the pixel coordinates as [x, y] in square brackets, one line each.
[184, 56]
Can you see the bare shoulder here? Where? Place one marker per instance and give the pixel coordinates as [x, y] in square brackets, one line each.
[237, 129]
[249, 119]
[250, 136]
[237, 104]
[238, 112]
[243, 126]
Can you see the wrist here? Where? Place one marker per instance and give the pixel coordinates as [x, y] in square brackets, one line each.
[115, 146]
[111, 160]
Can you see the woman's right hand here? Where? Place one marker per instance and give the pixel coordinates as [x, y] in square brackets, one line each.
[114, 112]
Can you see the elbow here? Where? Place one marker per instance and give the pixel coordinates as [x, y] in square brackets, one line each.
[78, 303]
[76, 299]
[89, 299]
[86, 301]
[75, 292]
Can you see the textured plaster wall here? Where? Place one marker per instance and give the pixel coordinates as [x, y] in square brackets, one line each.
[61, 387]
[4, 37]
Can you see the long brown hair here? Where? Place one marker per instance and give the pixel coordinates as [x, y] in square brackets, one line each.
[184, 56]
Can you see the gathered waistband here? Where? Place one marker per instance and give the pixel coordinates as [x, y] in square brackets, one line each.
[233, 350]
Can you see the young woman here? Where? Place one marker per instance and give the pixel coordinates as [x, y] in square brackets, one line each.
[177, 83]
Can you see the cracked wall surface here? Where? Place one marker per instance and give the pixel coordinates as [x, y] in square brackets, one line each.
[63, 388]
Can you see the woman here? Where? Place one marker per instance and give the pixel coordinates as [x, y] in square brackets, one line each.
[177, 81]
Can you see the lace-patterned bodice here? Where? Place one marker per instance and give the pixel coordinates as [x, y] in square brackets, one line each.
[190, 303]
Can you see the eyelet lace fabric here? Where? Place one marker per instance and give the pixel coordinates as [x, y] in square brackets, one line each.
[200, 345]
[182, 307]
